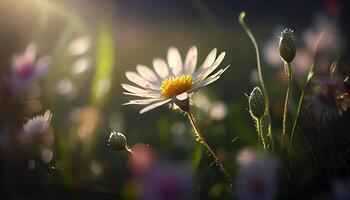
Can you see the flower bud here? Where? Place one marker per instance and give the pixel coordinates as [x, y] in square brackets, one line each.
[256, 103]
[117, 141]
[287, 46]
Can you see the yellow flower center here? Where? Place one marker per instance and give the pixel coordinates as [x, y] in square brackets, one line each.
[176, 85]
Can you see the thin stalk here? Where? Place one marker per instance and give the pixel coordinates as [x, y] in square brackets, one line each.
[260, 132]
[308, 79]
[266, 96]
[297, 116]
[208, 149]
[285, 110]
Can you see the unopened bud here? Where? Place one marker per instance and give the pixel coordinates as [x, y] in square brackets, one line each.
[256, 103]
[117, 142]
[287, 47]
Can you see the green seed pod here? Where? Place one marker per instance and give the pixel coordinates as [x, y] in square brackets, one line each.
[117, 141]
[287, 47]
[256, 103]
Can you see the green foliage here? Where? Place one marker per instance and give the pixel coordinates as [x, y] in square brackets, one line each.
[104, 66]
[164, 134]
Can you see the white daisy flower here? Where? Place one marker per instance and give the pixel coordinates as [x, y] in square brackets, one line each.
[173, 80]
[38, 124]
[25, 68]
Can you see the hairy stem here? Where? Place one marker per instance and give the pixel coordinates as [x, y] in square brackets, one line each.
[266, 96]
[285, 110]
[260, 132]
[208, 149]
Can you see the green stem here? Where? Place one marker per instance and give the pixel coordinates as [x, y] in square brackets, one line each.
[260, 132]
[285, 110]
[308, 79]
[266, 96]
[297, 116]
[206, 146]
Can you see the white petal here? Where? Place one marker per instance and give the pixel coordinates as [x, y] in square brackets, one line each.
[215, 76]
[161, 68]
[218, 73]
[48, 116]
[205, 73]
[146, 73]
[208, 80]
[211, 80]
[174, 61]
[191, 60]
[141, 101]
[203, 83]
[155, 105]
[199, 73]
[134, 89]
[210, 59]
[207, 63]
[138, 80]
[145, 95]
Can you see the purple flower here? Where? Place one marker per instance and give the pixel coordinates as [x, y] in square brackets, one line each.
[320, 98]
[38, 124]
[159, 180]
[37, 129]
[166, 181]
[327, 98]
[26, 68]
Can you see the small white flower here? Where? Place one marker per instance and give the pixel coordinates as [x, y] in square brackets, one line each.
[26, 68]
[79, 45]
[171, 81]
[38, 124]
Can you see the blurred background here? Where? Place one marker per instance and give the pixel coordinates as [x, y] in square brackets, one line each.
[92, 43]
